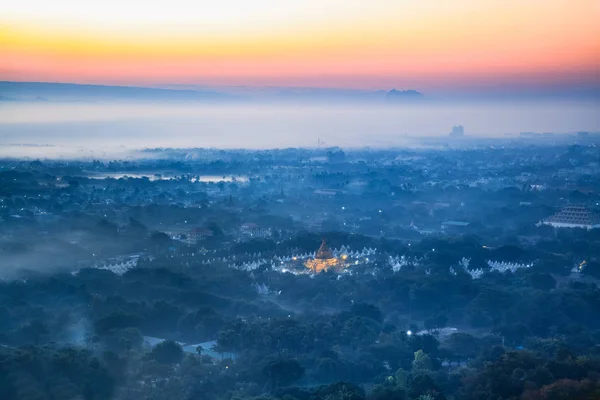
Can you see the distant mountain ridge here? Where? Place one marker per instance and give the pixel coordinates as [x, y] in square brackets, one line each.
[349, 94]
[404, 95]
[45, 91]
[276, 93]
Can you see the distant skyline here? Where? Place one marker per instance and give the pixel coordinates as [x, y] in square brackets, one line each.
[427, 45]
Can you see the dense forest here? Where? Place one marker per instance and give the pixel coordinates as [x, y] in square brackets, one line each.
[424, 332]
[184, 275]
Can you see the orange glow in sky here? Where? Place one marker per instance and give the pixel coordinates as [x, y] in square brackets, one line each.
[425, 44]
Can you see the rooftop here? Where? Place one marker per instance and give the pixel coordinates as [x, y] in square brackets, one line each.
[576, 216]
[455, 223]
[324, 253]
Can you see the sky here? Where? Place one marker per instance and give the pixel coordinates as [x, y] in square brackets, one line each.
[427, 45]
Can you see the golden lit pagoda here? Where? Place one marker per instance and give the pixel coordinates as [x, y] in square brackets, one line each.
[323, 260]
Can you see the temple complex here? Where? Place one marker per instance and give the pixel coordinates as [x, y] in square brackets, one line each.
[574, 216]
[323, 260]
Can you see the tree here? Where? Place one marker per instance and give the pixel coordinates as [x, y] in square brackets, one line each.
[283, 372]
[338, 391]
[567, 389]
[336, 155]
[116, 320]
[430, 324]
[382, 392]
[513, 333]
[123, 339]
[33, 332]
[106, 228]
[359, 331]
[422, 383]
[428, 343]
[228, 341]
[401, 377]
[396, 354]
[441, 321]
[215, 228]
[160, 240]
[462, 344]
[366, 310]
[542, 281]
[167, 352]
[426, 397]
[36, 372]
[422, 362]
[136, 228]
[592, 268]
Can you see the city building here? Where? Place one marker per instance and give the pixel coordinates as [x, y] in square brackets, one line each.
[528, 134]
[457, 130]
[253, 230]
[574, 217]
[454, 224]
[327, 192]
[198, 234]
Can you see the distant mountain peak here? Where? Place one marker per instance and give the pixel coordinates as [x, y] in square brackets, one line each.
[404, 95]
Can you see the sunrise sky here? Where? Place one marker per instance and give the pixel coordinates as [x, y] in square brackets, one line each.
[426, 45]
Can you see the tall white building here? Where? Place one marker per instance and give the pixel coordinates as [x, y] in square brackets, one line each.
[458, 130]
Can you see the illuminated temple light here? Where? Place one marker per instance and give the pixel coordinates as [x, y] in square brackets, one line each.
[324, 260]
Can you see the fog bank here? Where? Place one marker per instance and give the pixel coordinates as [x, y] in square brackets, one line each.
[73, 128]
